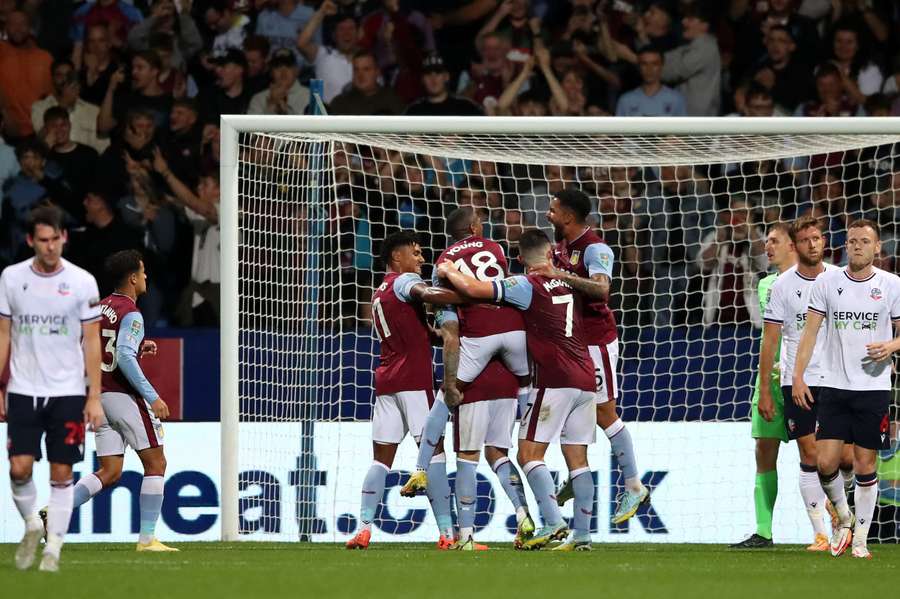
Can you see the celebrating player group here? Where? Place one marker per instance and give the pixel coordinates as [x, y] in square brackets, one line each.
[59, 332]
[541, 344]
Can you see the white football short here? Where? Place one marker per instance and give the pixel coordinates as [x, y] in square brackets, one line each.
[483, 423]
[606, 361]
[476, 352]
[566, 416]
[128, 421]
[400, 413]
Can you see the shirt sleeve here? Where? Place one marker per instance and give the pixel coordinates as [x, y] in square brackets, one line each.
[90, 301]
[515, 291]
[445, 314]
[773, 305]
[128, 344]
[403, 286]
[818, 297]
[895, 304]
[5, 310]
[598, 258]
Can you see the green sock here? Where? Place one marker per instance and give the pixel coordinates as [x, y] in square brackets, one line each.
[764, 494]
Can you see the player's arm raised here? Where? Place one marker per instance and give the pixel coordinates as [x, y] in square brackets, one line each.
[800, 392]
[93, 409]
[598, 258]
[771, 337]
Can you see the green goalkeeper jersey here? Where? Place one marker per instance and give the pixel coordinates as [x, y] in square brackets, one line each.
[760, 428]
[763, 290]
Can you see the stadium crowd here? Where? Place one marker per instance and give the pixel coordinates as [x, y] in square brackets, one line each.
[110, 110]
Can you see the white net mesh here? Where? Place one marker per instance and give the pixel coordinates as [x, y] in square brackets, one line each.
[313, 209]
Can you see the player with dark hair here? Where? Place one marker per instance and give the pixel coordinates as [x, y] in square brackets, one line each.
[133, 408]
[561, 406]
[484, 346]
[49, 312]
[582, 260]
[404, 379]
[860, 307]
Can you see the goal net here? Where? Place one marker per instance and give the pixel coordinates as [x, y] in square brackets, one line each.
[306, 203]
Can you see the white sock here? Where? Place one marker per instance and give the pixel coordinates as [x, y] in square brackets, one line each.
[24, 496]
[813, 498]
[833, 485]
[865, 496]
[59, 512]
[848, 480]
[87, 486]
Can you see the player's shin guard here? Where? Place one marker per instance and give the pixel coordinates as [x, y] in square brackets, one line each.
[88, 486]
[372, 492]
[24, 495]
[151, 501]
[59, 512]
[435, 425]
[583, 488]
[813, 498]
[511, 481]
[466, 497]
[865, 496]
[544, 491]
[623, 449]
[439, 494]
[833, 485]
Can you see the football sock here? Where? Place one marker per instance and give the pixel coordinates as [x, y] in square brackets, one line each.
[433, 431]
[150, 501]
[865, 495]
[623, 449]
[583, 488]
[59, 512]
[439, 494]
[466, 500]
[813, 498]
[833, 485]
[511, 481]
[372, 492]
[544, 491]
[87, 487]
[24, 496]
[764, 494]
[847, 474]
[522, 400]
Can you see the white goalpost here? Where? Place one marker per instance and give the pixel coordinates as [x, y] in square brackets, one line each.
[306, 201]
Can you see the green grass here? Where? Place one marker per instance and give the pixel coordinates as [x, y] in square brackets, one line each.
[268, 570]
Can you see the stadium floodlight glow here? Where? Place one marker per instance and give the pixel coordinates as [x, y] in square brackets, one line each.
[306, 199]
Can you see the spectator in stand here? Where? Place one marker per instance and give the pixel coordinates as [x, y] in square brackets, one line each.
[24, 75]
[135, 141]
[181, 144]
[511, 100]
[172, 81]
[118, 17]
[789, 82]
[145, 92]
[831, 95]
[9, 164]
[756, 100]
[82, 116]
[97, 64]
[105, 234]
[652, 98]
[654, 27]
[860, 76]
[869, 17]
[334, 65]
[365, 95]
[511, 20]
[38, 181]
[485, 81]
[508, 235]
[227, 25]
[285, 95]
[281, 22]
[230, 95]
[438, 101]
[883, 199]
[399, 39]
[77, 161]
[695, 66]
[165, 19]
[829, 203]
[731, 259]
[256, 51]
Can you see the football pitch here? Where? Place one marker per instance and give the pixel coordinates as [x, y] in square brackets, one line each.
[269, 570]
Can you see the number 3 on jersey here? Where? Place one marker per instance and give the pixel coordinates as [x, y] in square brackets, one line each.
[109, 350]
[482, 261]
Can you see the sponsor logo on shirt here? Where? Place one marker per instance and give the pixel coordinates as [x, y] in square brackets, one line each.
[856, 321]
[41, 324]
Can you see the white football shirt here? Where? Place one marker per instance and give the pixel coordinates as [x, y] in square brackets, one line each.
[857, 312]
[47, 312]
[788, 302]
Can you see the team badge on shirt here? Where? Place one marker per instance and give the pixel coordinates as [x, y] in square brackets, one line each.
[576, 255]
[875, 293]
[63, 289]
